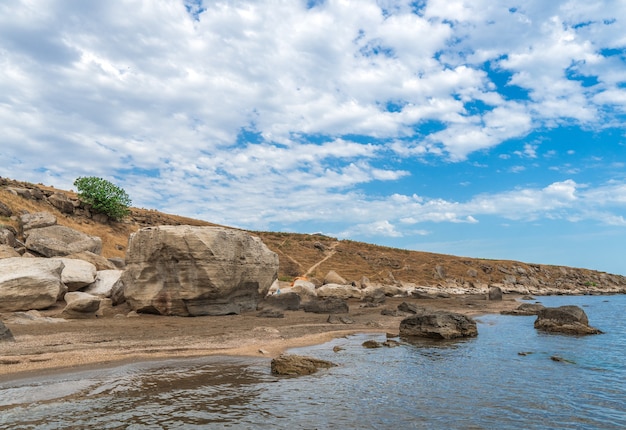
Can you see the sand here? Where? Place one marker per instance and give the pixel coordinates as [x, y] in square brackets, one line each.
[42, 347]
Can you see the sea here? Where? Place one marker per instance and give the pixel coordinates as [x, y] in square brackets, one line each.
[509, 377]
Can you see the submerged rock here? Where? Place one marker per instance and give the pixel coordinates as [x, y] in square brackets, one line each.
[296, 365]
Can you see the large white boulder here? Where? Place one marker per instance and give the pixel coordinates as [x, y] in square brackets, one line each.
[108, 284]
[77, 273]
[59, 241]
[190, 271]
[340, 291]
[29, 283]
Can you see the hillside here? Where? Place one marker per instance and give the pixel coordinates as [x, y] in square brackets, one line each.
[316, 255]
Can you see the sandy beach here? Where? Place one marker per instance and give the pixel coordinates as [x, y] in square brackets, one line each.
[42, 347]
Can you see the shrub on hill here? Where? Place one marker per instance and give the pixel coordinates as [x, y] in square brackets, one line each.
[103, 196]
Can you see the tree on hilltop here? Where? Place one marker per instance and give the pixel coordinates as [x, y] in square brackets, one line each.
[103, 196]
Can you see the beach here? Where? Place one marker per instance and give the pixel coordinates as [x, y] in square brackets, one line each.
[44, 346]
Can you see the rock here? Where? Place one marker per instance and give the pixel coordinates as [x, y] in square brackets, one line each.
[410, 308]
[333, 277]
[494, 293]
[62, 203]
[29, 283]
[7, 251]
[421, 295]
[339, 319]
[340, 291]
[108, 284]
[77, 273]
[37, 220]
[392, 313]
[270, 313]
[438, 325]
[296, 365]
[5, 334]
[525, 309]
[328, 305]
[5, 211]
[7, 237]
[99, 261]
[60, 241]
[564, 319]
[118, 263]
[284, 301]
[305, 289]
[373, 295]
[80, 305]
[372, 344]
[193, 271]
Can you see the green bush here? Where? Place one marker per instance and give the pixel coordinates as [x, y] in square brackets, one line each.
[103, 196]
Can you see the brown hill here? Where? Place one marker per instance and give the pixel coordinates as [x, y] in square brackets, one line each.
[315, 255]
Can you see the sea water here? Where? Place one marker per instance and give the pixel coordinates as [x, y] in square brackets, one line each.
[509, 377]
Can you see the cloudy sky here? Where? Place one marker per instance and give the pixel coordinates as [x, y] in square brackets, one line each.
[493, 129]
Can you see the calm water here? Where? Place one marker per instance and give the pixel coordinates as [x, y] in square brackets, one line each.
[483, 383]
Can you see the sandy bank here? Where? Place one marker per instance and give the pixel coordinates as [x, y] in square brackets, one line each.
[46, 346]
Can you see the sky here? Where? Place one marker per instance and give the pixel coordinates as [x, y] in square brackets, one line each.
[478, 128]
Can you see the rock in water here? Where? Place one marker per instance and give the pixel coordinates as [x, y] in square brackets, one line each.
[296, 365]
[438, 325]
[193, 271]
[564, 319]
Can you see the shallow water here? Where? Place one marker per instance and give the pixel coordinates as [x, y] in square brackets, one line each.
[481, 383]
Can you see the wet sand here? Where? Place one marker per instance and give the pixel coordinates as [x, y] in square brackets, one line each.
[43, 347]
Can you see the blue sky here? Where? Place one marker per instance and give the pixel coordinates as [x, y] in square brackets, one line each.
[475, 128]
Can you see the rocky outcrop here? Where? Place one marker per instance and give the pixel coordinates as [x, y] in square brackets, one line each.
[297, 365]
[192, 271]
[494, 293]
[564, 319]
[438, 325]
[37, 220]
[59, 241]
[29, 283]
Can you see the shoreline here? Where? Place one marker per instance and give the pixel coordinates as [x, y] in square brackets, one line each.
[44, 348]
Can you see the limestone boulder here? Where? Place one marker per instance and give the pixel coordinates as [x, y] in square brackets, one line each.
[60, 241]
[438, 325]
[564, 319]
[333, 277]
[80, 305]
[77, 273]
[305, 289]
[37, 220]
[340, 291]
[29, 283]
[192, 271]
[296, 365]
[108, 284]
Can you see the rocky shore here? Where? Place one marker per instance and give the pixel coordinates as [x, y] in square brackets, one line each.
[77, 289]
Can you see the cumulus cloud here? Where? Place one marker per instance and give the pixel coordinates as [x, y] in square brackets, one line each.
[276, 112]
